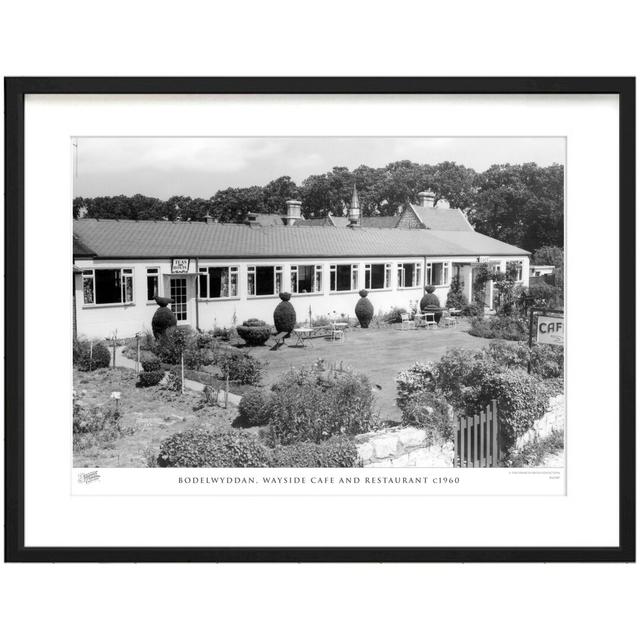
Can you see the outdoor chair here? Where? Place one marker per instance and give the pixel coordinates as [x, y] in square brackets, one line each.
[337, 335]
[407, 323]
[448, 320]
[430, 320]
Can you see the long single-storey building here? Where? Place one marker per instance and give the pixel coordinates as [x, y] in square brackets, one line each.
[218, 275]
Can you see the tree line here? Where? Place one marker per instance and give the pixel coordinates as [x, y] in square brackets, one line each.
[521, 204]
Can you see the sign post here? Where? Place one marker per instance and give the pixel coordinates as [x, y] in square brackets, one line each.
[549, 328]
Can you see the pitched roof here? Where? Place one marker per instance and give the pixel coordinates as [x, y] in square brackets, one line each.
[440, 219]
[267, 219]
[80, 249]
[163, 239]
[378, 222]
[326, 221]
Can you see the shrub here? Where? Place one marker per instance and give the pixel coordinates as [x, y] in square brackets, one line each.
[416, 379]
[240, 367]
[364, 309]
[502, 327]
[313, 405]
[456, 298]
[255, 407]
[429, 411]
[202, 448]
[150, 378]
[173, 382]
[546, 295]
[547, 360]
[473, 309]
[431, 302]
[254, 332]
[394, 316]
[284, 316]
[173, 343]
[88, 356]
[163, 318]
[522, 399]
[508, 353]
[150, 362]
[533, 454]
[95, 425]
[334, 453]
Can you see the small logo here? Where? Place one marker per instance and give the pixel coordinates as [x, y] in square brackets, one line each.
[90, 476]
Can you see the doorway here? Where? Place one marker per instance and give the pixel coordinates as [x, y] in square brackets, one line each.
[178, 294]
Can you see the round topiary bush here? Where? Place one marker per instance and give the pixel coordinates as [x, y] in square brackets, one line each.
[284, 316]
[364, 309]
[151, 362]
[431, 303]
[255, 407]
[163, 318]
[88, 356]
[150, 378]
[254, 332]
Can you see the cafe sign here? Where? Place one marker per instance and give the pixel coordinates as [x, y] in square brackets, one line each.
[180, 265]
[550, 330]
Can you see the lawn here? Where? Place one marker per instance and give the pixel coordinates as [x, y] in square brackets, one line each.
[379, 353]
[149, 414]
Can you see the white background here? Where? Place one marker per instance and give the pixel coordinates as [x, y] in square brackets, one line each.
[189, 38]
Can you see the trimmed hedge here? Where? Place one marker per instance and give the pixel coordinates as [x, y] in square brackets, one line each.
[163, 319]
[501, 327]
[336, 452]
[86, 358]
[202, 448]
[150, 378]
[284, 315]
[151, 363]
[364, 309]
[254, 332]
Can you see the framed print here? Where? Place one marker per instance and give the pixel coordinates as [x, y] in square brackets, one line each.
[320, 319]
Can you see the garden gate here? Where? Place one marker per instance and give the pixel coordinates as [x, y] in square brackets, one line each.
[477, 439]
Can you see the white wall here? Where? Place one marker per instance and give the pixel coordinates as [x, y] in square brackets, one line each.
[100, 321]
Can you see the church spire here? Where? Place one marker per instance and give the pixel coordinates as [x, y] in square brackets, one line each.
[354, 209]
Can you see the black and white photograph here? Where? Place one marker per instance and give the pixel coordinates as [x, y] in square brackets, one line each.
[308, 302]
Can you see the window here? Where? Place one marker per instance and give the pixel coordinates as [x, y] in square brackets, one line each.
[409, 274]
[264, 281]
[344, 277]
[438, 273]
[514, 269]
[217, 282]
[107, 286]
[152, 284]
[377, 276]
[306, 278]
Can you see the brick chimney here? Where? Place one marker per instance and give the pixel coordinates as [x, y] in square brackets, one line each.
[293, 212]
[426, 198]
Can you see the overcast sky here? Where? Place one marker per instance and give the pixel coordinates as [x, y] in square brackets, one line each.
[198, 167]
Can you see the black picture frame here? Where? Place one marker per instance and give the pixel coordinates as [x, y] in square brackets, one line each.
[15, 91]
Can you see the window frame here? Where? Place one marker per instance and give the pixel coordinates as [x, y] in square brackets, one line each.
[153, 272]
[417, 271]
[127, 275]
[368, 268]
[317, 279]
[278, 270]
[446, 272]
[354, 279]
[203, 272]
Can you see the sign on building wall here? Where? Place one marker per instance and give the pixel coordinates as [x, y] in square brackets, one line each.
[180, 265]
[550, 330]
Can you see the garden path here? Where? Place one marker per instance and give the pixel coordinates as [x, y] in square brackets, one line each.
[123, 361]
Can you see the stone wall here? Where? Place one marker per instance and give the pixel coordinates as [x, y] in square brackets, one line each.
[403, 447]
[553, 420]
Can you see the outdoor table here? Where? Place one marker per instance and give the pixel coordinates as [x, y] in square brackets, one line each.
[302, 334]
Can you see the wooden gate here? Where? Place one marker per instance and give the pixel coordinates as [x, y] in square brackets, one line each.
[477, 439]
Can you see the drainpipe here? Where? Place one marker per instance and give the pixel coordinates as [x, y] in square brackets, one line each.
[197, 292]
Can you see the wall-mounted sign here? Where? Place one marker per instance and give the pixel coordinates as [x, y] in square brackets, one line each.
[550, 330]
[180, 265]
